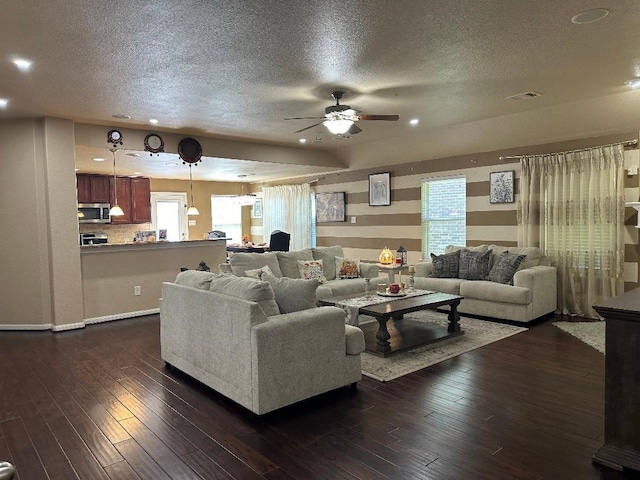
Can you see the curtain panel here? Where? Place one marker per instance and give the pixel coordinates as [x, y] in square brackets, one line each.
[288, 208]
[572, 206]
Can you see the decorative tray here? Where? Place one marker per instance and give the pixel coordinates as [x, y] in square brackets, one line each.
[389, 294]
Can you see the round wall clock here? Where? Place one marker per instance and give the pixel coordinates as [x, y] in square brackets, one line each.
[153, 143]
[190, 150]
[115, 137]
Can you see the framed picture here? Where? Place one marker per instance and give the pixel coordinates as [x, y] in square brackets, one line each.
[379, 189]
[256, 209]
[330, 207]
[501, 187]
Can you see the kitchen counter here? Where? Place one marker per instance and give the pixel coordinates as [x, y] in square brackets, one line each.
[120, 247]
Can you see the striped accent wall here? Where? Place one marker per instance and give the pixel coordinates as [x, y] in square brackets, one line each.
[400, 223]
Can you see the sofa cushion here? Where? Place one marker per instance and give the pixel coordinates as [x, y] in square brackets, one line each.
[505, 267]
[355, 340]
[496, 292]
[293, 294]
[474, 265]
[311, 269]
[288, 262]
[453, 248]
[346, 268]
[195, 279]
[247, 289]
[444, 285]
[241, 262]
[446, 265]
[533, 255]
[258, 272]
[328, 255]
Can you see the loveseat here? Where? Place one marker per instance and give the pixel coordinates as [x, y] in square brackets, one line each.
[520, 294]
[230, 333]
[330, 260]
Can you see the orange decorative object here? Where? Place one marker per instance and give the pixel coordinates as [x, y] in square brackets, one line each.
[386, 257]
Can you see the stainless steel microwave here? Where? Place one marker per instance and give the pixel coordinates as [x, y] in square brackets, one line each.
[94, 213]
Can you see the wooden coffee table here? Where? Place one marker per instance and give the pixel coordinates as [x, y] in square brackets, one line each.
[386, 337]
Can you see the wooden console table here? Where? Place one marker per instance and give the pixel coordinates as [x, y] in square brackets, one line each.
[621, 449]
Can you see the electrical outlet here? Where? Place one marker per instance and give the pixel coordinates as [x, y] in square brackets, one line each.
[137, 290]
[353, 219]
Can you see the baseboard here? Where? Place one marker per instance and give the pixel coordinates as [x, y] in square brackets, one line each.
[121, 316]
[31, 327]
[68, 326]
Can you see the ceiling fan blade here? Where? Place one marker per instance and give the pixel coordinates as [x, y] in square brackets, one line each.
[307, 128]
[303, 118]
[391, 118]
[353, 129]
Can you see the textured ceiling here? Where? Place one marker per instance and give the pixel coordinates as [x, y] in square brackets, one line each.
[236, 69]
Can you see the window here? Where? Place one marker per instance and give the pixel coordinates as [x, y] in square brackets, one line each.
[226, 215]
[444, 214]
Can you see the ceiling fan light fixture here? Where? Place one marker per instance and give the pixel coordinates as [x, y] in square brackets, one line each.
[339, 126]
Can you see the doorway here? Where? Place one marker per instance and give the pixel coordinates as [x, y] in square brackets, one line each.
[169, 212]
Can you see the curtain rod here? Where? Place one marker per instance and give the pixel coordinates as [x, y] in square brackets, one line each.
[628, 143]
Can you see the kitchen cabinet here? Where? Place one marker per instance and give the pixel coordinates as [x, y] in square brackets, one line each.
[134, 197]
[93, 188]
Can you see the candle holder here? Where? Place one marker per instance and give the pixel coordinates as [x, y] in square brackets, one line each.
[367, 287]
[411, 280]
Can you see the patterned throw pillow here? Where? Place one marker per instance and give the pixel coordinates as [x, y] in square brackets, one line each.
[505, 267]
[346, 268]
[446, 265]
[311, 269]
[474, 265]
[258, 272]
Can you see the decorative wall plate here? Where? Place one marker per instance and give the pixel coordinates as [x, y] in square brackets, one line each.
[153, 143]
[115, 137]
[190, 150]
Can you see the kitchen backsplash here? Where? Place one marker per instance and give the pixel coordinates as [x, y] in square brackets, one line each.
[116, 233]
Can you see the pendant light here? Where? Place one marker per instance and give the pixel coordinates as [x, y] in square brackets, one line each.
[115, 211]
[192, 210]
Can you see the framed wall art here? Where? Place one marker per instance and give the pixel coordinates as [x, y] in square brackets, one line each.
[501, 187]
[379, 189]
[330, 207]
[256, 209]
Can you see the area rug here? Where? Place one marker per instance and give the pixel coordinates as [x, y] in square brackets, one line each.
[591, 333]
[477, 333]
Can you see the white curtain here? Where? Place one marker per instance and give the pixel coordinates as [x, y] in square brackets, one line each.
[288, 208]
[572, 206]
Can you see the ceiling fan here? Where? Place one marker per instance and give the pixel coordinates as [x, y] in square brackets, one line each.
[340, 119]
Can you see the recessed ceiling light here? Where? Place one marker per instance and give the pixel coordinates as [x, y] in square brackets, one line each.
[77, 169]
[133, 154]
[171, 164]
[303, 140]
[121, 116]
[414, 121]
[633, 83]
[137, 173]
[153, 121]
[98, 159]
[4, 102]
[590, 16]
[22, 63]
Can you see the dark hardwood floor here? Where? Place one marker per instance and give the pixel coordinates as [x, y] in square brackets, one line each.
[98, 403]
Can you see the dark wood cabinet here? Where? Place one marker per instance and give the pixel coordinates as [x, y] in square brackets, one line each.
[134, 197]
[140, 200]
[621, 449]
[93, 188]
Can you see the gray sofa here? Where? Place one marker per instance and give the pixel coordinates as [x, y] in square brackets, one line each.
[285, 264]
[531, 294]
[228, 333]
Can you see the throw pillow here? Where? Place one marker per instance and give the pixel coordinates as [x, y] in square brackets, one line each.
[293, 294]
[505, 267]
[247, 289]
[195, 279]
[311, 269]
[446, 265]
[328, 255]
[474, 265]
[346, 268]
[258, 272]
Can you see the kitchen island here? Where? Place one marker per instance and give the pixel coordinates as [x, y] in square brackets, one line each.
[125, 280]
